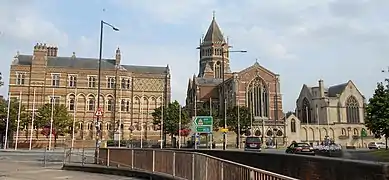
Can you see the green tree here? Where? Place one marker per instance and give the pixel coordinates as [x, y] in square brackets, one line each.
[232, 118]
[205, 111]
[13, 115]
[377, 114]
[62, 122]
[244, 115]
[171, 118]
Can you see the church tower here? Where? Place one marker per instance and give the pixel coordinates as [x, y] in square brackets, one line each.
[211, 49]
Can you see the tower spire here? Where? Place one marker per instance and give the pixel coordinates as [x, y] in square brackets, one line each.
[213, 14]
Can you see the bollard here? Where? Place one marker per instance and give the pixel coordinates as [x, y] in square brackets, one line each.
[83, 156]
[44, 157]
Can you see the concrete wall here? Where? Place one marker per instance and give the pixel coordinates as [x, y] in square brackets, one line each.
[307, 167]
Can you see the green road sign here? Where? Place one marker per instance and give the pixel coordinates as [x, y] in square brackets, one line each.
[363, 133]
[203, 129]
[203, 121]
[203, 124]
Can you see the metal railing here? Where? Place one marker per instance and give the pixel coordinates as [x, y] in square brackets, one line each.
[177, 164]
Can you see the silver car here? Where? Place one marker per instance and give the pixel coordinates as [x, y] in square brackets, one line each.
[376, 145]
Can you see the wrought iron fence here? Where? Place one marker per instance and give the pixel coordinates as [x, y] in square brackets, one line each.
[177, 164]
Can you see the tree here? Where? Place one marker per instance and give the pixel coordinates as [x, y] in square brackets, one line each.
[171, 118]
[232, 118]
[205, 111]
[13, 115]
[62, 122]
[377, 114]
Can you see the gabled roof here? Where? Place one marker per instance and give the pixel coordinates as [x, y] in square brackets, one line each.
[90, 63]
[257, 65]
[336, 89]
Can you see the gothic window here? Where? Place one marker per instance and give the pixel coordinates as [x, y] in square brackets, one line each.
[258, 98]
[293, 126]
[218, 70]
[72, 102]
[352, 110]
[91, 103]
[306, 111]
[110, 103]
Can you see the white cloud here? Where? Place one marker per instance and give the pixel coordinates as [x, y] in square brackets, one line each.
[295, 37]
[20, 20]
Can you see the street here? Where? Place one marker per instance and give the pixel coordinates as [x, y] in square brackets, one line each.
[25, 165]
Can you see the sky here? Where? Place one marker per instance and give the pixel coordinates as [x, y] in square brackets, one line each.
[302, 40]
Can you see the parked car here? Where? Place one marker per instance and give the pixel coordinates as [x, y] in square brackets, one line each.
[253, 143]
[376, 145]
[300, 148]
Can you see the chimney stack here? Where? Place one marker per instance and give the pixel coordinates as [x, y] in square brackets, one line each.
[44, 50]
[52, 51]
[321, 88]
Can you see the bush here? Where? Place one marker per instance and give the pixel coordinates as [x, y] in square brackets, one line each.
[112, 143]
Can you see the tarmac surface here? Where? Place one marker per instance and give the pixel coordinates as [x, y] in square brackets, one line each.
[29, 165]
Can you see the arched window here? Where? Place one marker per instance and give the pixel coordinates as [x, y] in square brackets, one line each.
[293, 126]
[352, 110]
[306, 111]
[71, 102]
[91, 103]
[344, 132]
[110, 103]
[218, 70]
[258, 98]
[356, 132]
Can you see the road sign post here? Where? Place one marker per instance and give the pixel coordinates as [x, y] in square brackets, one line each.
[203, 124]
[363, 134]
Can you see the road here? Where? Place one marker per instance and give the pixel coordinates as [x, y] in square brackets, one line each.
[24, 165]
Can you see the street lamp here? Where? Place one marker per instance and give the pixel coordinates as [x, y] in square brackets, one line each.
[98, 130]
[223, 92]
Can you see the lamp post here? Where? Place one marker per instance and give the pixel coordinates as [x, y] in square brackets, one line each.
[98, 131]
[223, 91]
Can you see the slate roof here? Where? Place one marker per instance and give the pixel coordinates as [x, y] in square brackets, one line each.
[207, 81]
[337, 89]
[214, 34]
[90, 63]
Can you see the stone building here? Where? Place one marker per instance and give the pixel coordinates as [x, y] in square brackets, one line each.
[129, 93]
[255, 87]
[336, 111]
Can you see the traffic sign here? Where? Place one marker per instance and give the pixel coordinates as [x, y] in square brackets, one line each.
[363, 133]
[203, 120]
[203, 124]
[99, 112]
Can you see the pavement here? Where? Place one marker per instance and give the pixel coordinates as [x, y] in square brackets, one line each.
[29, 165]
